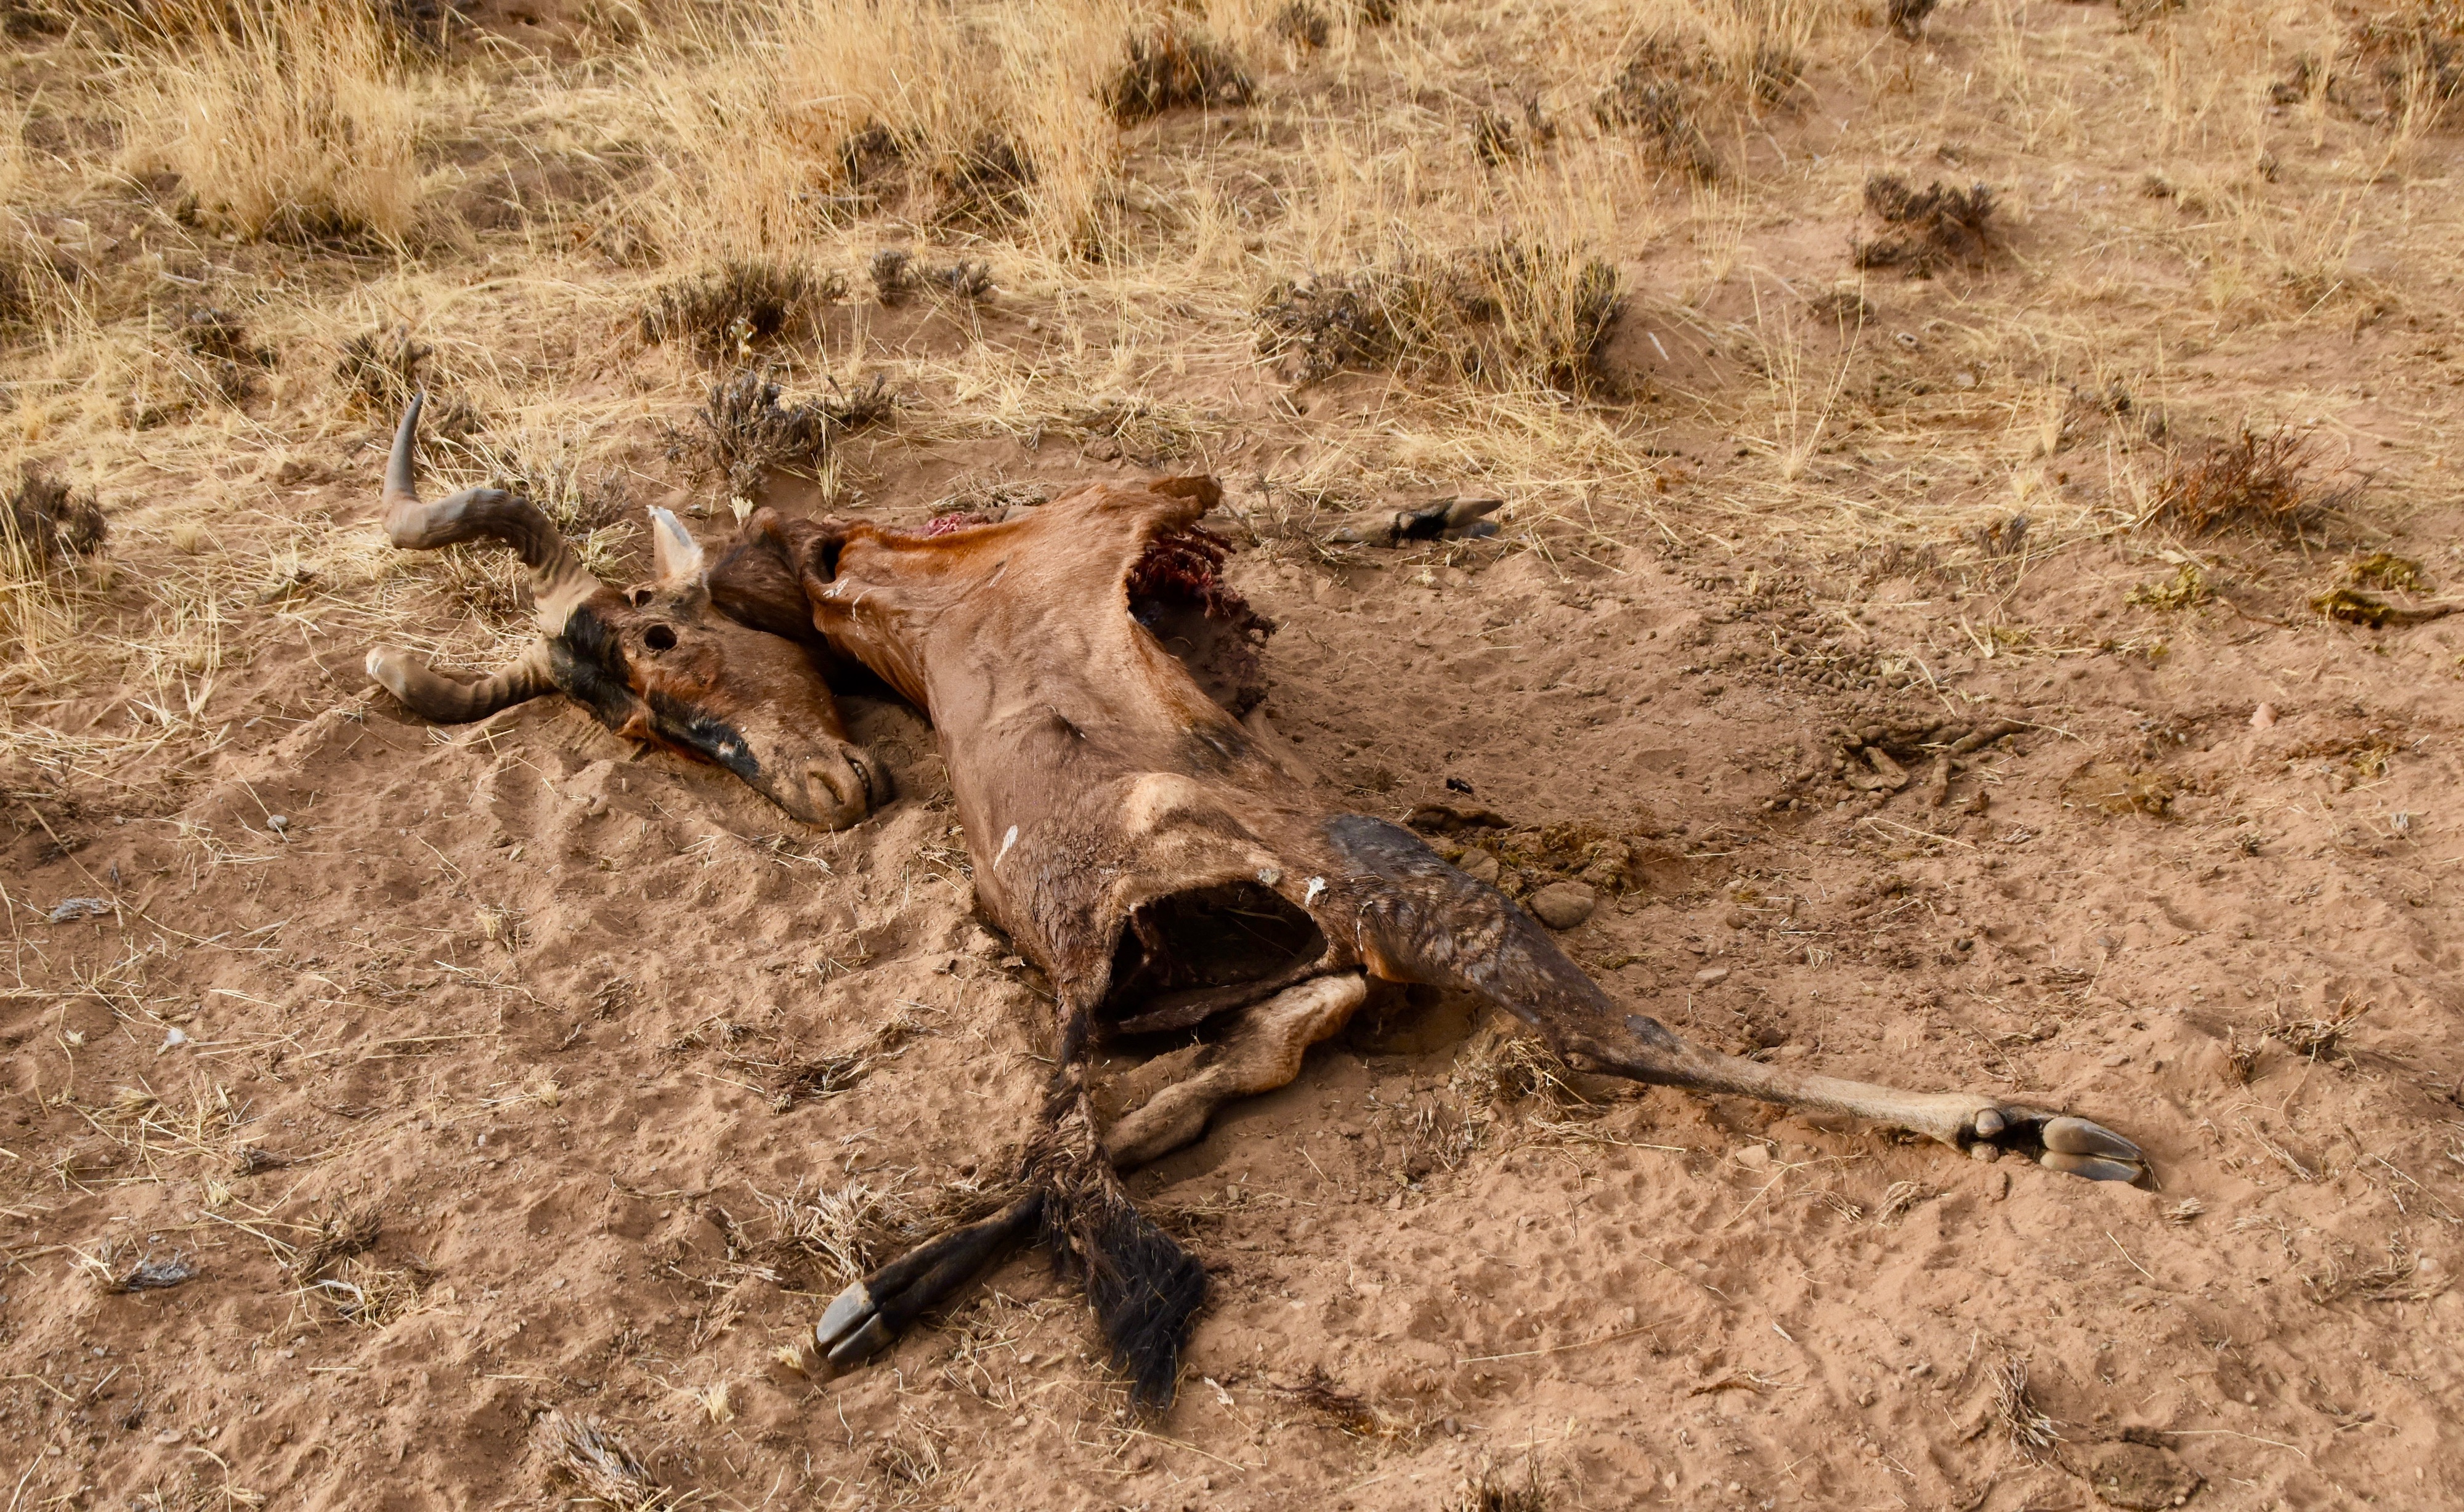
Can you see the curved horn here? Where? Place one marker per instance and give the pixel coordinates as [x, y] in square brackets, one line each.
[558, 580]
[676, 558]
[450, 700]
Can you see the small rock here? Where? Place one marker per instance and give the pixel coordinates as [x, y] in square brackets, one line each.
[1480, 866]
[2263, 718]
[1563, 905]
[68, 910]
[277, 823]
[1754, 1157]
[1710, 975]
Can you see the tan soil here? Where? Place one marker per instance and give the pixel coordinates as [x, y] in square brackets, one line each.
[532, 1001]
[522, 993]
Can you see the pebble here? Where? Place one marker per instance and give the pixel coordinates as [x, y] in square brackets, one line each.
[2263, 718]
[277, 823]
[1563, 905]
[1711, 974]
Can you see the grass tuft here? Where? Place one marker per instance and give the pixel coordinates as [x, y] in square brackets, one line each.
[589, 1458]
[2031, 1432]
[285, 119]
[1491, 1489]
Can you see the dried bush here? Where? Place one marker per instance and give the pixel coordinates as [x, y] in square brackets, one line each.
[1498, 136]
[1167, 69]
[380, 370]
[2404, 65]
[50, 524]
[2255, 481]
[742, 431]
[1659, 92]
[744, 303]
[221, 334]
[897, 275]
[1907, 18]
[986, 186]
[1931, 227]
[1510, 314]
[1304, 25]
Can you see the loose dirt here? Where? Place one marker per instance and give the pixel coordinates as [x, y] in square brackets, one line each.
[503, 1072]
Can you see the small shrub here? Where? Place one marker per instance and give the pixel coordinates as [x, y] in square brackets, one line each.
[985, 188]
[1303, 25]
[2255, 482]
[1330, 323]
[51, 524]
[1658, 94]
[896, 276]
[1930, 227]
[222, 336]
[742, 429]
[892, 272]
[1166, 70]
[1907, 18]
[743, 303]
[1513, 312]
[1498, 136]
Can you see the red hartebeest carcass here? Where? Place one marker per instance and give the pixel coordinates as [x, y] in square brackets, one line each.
[651, 663]
[1146, 851]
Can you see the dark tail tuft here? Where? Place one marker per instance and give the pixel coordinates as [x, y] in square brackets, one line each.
[1144, 1287]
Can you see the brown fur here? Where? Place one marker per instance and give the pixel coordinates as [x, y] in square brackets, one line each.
[1129, 833]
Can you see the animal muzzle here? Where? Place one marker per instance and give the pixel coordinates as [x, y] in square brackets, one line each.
[832, 789]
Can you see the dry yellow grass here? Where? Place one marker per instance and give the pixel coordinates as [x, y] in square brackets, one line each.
[650, 141]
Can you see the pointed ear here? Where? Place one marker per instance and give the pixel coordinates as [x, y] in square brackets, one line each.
[676, 556]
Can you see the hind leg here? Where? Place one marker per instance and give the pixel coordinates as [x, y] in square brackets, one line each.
[1421, 920]
[1263, 1052]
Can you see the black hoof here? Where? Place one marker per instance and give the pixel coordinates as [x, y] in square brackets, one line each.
[861, 1321]
[2059, 1142]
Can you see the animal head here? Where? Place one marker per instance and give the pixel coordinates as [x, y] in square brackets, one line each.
[655, 662]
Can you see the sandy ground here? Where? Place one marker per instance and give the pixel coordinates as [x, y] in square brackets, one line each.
[527, 1003]
[497, 1081]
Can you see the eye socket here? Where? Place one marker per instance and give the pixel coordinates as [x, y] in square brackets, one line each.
[660, 638]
